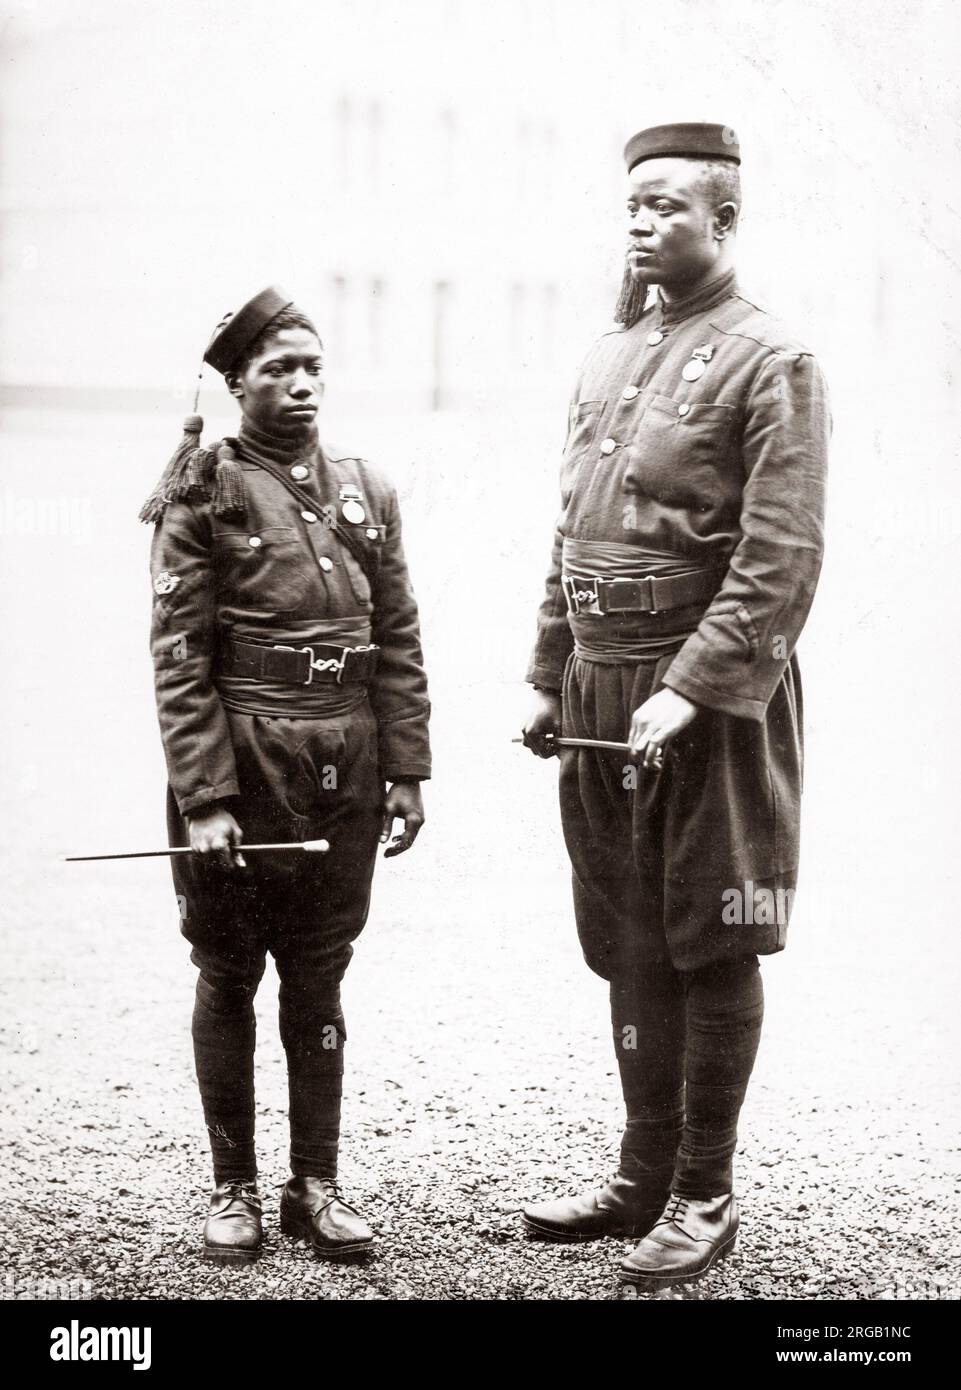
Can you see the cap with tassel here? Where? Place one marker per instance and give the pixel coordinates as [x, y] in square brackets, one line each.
[212, 473]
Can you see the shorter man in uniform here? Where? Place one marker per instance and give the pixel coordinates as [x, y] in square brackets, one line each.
[290, 690]
[685, 560]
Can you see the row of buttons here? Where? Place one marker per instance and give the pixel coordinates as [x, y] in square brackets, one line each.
[299, 472]
[631, 393]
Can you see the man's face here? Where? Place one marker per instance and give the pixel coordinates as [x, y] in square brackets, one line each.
[672, 228]
[280, 389]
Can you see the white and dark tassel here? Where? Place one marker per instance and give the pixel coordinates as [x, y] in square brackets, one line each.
[183, 474]
[228, 498]
[196, 473]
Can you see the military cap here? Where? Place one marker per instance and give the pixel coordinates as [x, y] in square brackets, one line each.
[688, 140]
[241, 328]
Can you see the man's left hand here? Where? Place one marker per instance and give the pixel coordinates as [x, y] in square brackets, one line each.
[656, 722]
[404, 802]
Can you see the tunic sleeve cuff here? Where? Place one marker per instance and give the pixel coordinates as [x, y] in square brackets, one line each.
[203, 795]
[546, 678]
[740, 706]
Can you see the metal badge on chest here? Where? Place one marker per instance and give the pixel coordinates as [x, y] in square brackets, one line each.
[699, 359]
[352, 509]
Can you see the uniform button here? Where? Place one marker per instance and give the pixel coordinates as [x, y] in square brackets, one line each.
[325, 563]
[299, 472]
[654, 338]
[608, 446]
[683, 408]
[630, 392]
[255, 541]
[372, 533]
[309, 516]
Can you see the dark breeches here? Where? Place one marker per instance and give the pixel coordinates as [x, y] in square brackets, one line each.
[652, 856]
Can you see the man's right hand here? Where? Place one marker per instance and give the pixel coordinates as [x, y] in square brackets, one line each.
[214, 831]
[543, 722]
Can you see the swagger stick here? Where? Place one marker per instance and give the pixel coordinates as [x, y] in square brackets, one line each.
[583, 743]
[310, 846]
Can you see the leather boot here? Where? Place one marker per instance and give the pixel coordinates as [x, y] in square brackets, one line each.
[622, 1206]
[691, 1236]
[314, 1210]
[233, 1234]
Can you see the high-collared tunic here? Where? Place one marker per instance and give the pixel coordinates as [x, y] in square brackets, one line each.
[720, 467]
[294, 762]
[281, 575]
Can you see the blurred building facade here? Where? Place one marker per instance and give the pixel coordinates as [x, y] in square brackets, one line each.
[396, 167]
[439, 182]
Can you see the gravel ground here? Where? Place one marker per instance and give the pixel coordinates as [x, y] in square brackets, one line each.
[463, 1103]
[480, 1074]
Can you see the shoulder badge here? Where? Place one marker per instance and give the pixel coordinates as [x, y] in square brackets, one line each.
[165, 583]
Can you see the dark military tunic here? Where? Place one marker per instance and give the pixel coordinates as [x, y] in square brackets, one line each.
[723, 473]
[293, 761]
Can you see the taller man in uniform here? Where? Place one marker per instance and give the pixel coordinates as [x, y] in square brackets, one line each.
[685, 560]
[291, 691]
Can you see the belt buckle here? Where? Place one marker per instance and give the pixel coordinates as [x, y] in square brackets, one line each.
[314, 665]
[575, 596]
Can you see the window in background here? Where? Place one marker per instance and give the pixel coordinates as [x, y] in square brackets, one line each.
[517, 330]
[375, 138]
[441, 344]
[522, 147]
[339, 321]
[447, 155]
[375, 322]
[548, 324]
[344, 125]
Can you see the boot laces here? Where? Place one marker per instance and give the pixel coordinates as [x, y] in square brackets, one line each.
[675, 1211]
[244, 1189]
[334, 1193]
[337, 1195]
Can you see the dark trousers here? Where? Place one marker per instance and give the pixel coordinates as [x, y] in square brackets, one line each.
[300, 779]
[652, 855]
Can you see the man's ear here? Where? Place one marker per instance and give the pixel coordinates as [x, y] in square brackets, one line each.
[234, 384]
[725, 220]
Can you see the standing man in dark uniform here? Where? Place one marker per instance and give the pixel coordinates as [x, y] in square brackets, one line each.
[290, 689]
[685, 561]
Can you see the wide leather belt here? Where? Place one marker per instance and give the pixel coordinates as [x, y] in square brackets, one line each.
[320, 661]
[649, 593]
